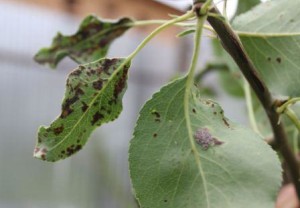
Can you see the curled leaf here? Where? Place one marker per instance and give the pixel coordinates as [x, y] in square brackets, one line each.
[89, 43]
[93, 96]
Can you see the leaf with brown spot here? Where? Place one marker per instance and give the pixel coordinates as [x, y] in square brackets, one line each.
[273, 47]
[79, 116]
[89, 43]
[211, 167]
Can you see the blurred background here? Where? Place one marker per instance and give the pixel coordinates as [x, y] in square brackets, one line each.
[31, 96]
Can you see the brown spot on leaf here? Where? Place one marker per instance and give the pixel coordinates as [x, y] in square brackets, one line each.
[97, 116]
[156, 114]
[278, 59]
[96, 104]
[78, 71]
[98, 84]
[66, 108]
[207, 102]
[120, 85]
[58, 130]
[43, 157]
[66, 112]
[225, 122]
[217, 142]
[203, 137]
[84, 106]
[108, 63]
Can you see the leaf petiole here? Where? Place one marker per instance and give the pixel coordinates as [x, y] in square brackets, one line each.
[285, 105]
[188, 87]
[158, 30]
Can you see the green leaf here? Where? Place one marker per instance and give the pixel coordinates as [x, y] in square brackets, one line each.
[89, 43]
[271, 35]
[231, 167]
[93, 96]
[245, 5]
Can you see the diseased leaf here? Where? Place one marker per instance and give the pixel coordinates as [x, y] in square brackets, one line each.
[270, 34]
[93, 96]
[89, 43]
[231, 166]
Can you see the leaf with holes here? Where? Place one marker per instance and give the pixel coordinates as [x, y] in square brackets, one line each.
[93, 96]
[229, 166]
[90, 43]
[270, 34]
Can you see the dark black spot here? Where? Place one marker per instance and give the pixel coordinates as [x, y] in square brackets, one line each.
[120, 85]
[194, 111]
[63, 152]
[155, 135]
[215, 113]
[84, 106]
[108, 62]
[43, 157]
[58, 130]
[212, 105]
[221, 112]
[269, 59]
[156, 114]
[165, 200]
[73, 149]
[98, 84]
[225, 122]
[66, 107]
[217, 142]
[78, 71]
[97, 116]
[278, 59]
